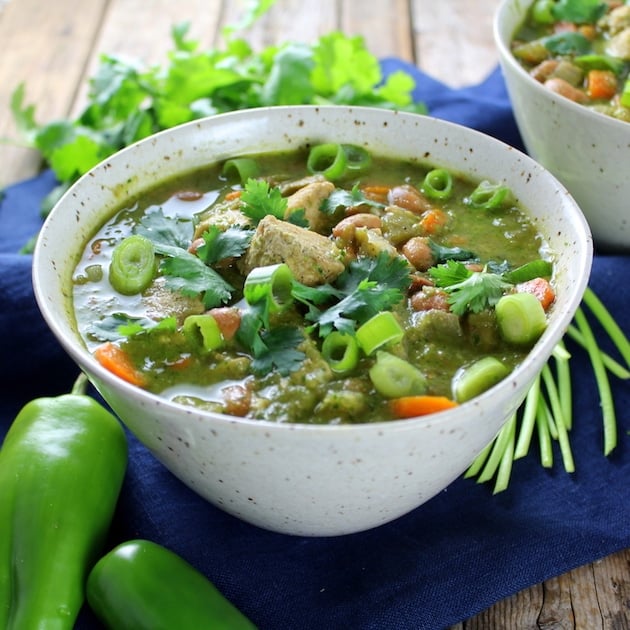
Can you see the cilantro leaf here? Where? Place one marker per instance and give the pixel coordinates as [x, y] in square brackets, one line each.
[280, 351]
[567, 44]
[342, 61]
[578, 11]
[341, 198]
[189, 275]
[168, 234]
[366, 287]
[289, 80]
[259, 199]
[270, 347]
[471, 291]
[221, 244]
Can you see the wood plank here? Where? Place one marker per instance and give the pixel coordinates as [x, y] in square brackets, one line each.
[288, 20]
[45, 45]
[385, 25]
[453, 40]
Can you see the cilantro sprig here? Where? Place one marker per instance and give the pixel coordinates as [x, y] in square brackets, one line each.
[128, 101]
[468, 290]
[342, 198]
[191, 274]
[260, 199]
[474, 291]
[367, 287]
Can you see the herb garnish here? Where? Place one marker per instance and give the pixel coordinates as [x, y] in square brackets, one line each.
[476, 291]
[366, 287]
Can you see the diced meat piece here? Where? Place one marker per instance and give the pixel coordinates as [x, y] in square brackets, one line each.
[162, 302]
[619, 45]
[617, 20]
[223, 214]
[288, 188]
[313, 258]
[309, 198]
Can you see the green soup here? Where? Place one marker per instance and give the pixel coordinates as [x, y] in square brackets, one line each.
[324, 285]
[579, 49]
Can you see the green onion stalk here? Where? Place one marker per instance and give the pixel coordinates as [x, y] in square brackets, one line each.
[547, 410]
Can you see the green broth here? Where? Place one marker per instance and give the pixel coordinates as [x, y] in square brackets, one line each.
[226, 379]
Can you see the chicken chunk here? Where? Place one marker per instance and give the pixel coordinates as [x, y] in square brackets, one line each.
[223, 214]
[313, 258]
[309, 198]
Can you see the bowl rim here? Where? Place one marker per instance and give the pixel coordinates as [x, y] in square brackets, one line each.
[81, 356]
[502, 41]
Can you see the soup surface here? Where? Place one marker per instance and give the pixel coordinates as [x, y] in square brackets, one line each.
[324, 285]
[580, 49]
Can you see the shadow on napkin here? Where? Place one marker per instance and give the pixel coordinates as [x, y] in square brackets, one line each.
[448, 560]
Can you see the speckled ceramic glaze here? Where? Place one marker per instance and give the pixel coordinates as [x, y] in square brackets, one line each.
[309, 479]
[587, 151]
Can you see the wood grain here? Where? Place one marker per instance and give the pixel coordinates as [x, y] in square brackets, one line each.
[54, 47]
[45, 45]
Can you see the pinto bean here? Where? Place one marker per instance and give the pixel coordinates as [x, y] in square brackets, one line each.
[409, 198]
[430, 299]
[564, 88]
[346, 228]
[544, 70]
[418, 252]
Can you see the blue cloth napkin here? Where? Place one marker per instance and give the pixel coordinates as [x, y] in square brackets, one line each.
[448, 560]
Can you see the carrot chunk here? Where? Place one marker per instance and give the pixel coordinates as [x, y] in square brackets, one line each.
[601, 84]
[411, 406]
[233, 194]
[118, 362]
[433, 220]
[541, 288]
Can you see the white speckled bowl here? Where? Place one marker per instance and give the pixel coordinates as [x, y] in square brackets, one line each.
[306, 479]
[587, 151]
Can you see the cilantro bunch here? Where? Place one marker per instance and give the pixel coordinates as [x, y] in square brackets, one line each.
[127, 102]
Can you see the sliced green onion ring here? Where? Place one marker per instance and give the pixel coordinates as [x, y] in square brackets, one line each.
[241, 169]
[132, 266]
[203, 330]
[328, 159]
[341, 352]
[381, 330]
[272, 284]
[438, 184]
[521, 318]
[476, 378]
[394, 377]
[489, 196]
[357, 158]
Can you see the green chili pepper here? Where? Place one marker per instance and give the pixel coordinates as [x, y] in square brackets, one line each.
[141, 585]
[62, 465]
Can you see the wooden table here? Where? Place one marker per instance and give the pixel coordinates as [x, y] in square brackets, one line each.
[54, 46]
